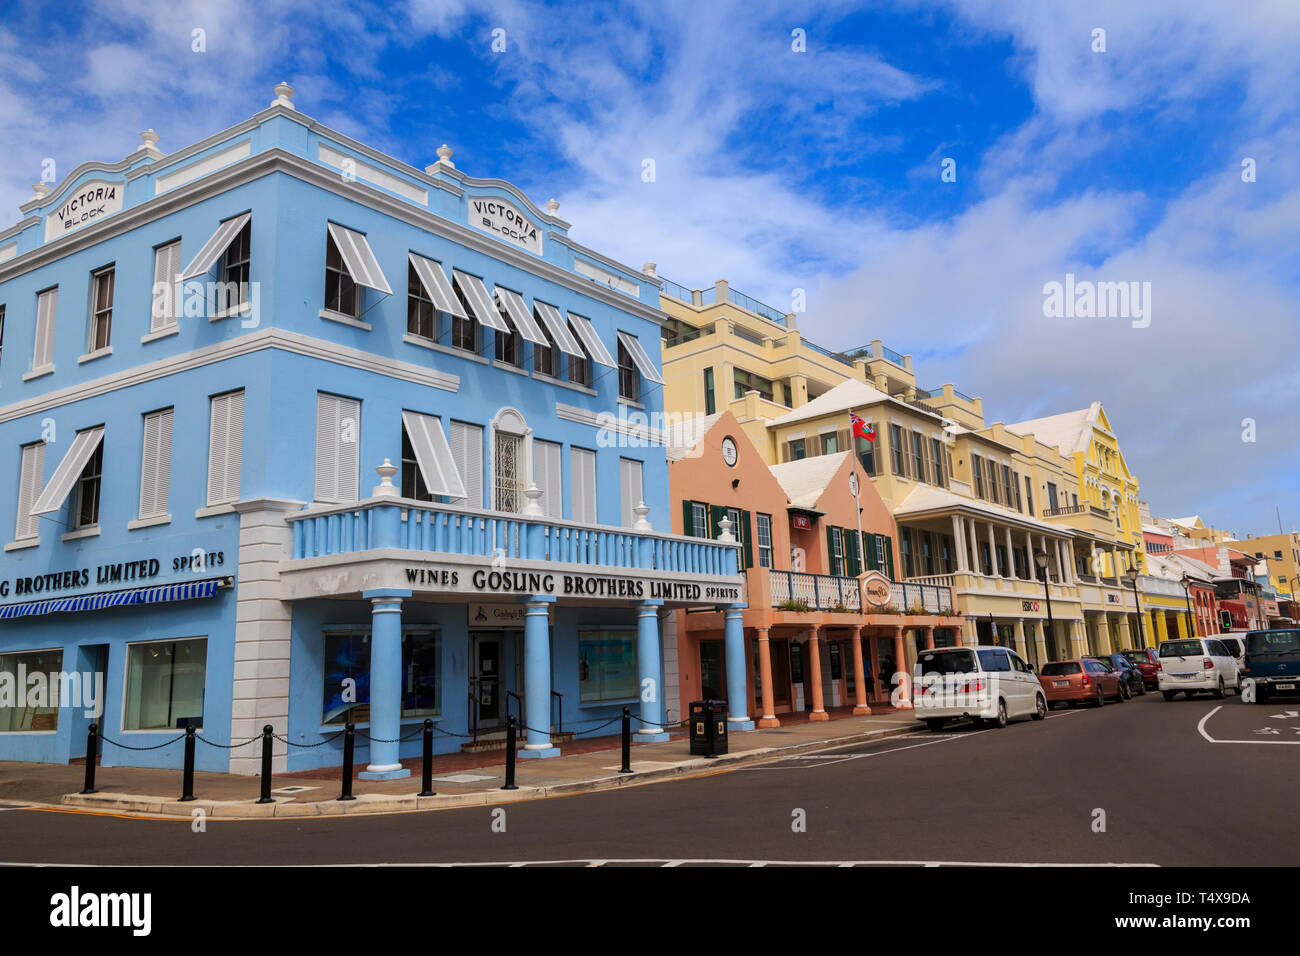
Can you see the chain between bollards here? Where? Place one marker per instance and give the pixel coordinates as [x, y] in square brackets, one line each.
[510, 754]
[627, 742]
[349, 744]
[188, 782]
[426, 776]
[92, 755]
[266, 765]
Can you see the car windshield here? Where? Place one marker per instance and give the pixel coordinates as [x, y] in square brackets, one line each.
[1181, 649]
[1137, 657]
[1060, 669]
[947, 662]
[1273, 642]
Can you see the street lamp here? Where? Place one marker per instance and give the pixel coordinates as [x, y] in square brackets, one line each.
[1132, 575]
[1040, 559]
[1186, 582]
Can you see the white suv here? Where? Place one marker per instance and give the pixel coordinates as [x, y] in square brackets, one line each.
[1192, 664]
[984, 683]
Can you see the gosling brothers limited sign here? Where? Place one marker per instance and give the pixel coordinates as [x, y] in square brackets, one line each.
[567, 585]
[505, 221]
[92, 201]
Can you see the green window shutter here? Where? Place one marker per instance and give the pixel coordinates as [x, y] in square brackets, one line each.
[830, 551]
[869, 545]
[748, 524]
[688, 518]
[716, 514]
[851, 546]
[889, 555]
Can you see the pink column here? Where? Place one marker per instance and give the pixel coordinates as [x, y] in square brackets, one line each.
[900, 662]
[860, 689]
[768, 719]
[815, 676]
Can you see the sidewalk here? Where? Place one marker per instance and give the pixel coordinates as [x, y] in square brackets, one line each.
[458, 779]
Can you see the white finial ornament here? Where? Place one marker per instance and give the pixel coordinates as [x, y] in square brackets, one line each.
[40, 190]
[149, 141]
[534, 507]
[444, 155]
[641, 523]
[650, 269]
[552, 206]
[724, 530]
[386, 488]
[283, 95]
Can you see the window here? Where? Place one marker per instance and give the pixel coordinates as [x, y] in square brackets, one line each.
[509, 347]
[830, 443]
[836, 555]
[977, 469]
[225, 447]
[413, 485]
[695, 519]
[629, 385]
[937, 456]
[86, 513]
[547, 476]
[899, 451]
[164, 684]
[166, 291]
[101, 310]
[464, 331]
[15, 711]
[47, 304]
[1015, 483]
[606, 666]
[582, 481]
[905, 541]
[338, 432]
[740, 531]
[543, 355]
[31, 476]
[1029, 494]
[1051, 496]
[467, 452]
[156, 464]
[347, 658]
[763, 531]
[866, 454]
[629, 473]
[235, 269]
[508, 469]
[340, 290]
[421, 316]
[579, 370]
[710, 403]
[744, 381]
[796, 450]
[918, 457]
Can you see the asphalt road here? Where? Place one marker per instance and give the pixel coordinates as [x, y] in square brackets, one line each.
[1200, 782]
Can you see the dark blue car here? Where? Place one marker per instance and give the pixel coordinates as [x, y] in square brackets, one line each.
[1273, 662]
[1129, 671]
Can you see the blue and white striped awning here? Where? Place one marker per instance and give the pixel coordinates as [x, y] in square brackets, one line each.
[94, 602]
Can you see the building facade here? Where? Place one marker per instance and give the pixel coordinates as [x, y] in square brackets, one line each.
[309, 436]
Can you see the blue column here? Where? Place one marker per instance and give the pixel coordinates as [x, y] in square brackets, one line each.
[648, 671]
[537, 677]
[737, 692]
[385, 683]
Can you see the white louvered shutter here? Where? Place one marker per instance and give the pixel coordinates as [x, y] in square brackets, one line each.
[166, 298]
[582, 470]
[338, 426]
[467, 451]
[46, 306]
[31, 476]
[225, 448]
[156, 464]
[547, 475]
[630, 481]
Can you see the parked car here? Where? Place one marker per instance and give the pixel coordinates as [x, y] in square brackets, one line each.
[1145, 661]
[1083, 679]
[987, 684]
[1236, 645]
[1132, 676]
[1273, 662]
[1194, 664]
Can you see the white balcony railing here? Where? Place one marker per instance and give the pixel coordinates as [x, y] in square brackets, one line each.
[817, 592]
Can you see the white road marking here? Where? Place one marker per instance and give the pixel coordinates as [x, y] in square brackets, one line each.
[1200, 727]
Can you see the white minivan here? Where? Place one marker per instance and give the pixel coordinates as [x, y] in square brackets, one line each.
[1192, 664]
[984, 683]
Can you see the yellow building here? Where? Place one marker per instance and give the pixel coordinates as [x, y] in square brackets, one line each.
[1282, 552]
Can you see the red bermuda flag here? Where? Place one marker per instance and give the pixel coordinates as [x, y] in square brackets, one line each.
[861, 428]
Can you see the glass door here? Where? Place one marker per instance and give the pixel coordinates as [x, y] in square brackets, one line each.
[485, 678]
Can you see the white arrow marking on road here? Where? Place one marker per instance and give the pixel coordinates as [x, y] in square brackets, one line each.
[1200, 727]
[1268, 730]
[1285, 714]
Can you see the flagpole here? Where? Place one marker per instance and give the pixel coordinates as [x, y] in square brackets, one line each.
[857, 501]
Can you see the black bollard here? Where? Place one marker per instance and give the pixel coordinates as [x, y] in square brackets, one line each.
[266, 765]
[188, 785]
[510, 754]
[92, 756]
[426, 777]
[627, 742]
[349, 744]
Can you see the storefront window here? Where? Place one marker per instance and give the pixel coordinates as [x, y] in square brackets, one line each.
[606, 665]
[164, 684]
[346, 688]
[26, 704]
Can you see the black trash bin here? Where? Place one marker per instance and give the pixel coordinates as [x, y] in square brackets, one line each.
[708, 728]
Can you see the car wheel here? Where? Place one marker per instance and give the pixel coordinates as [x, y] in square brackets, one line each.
[1169, 694]
[1101, 697]
[1124, 693]
[935, 724]
[1142, 688]
[1190, 694]
[1040, 711]
[1261, 693]
[1000, 720]
[1218, 690]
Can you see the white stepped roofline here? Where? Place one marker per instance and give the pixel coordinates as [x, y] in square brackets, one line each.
[53, 197]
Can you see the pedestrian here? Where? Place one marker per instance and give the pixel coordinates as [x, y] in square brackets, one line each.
[886, 675]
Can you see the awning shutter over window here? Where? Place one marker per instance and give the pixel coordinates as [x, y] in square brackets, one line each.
[640, 359]
[591, 341]
[433, 455]
[214, 247]
[69, 470]
[480, 303]
[361, 262]
[559, 331]
[523, 320]
[437, 286]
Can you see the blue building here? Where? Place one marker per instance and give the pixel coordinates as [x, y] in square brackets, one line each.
[295, 434]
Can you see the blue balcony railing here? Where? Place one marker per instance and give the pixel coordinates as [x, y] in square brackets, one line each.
[443, 529]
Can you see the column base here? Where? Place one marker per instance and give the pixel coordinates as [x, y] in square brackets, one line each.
[384, 773]
[903, 705]
[861, 710]
[650, 736]
[765, 723]
[819, 715]
[739, 723]
[530, 752]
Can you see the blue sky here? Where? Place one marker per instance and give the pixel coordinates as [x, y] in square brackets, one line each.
[817, 170]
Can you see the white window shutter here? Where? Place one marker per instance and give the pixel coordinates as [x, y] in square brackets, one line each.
[166, 299]
[349, 449]
[547, 474]
[225, 448]
[30, 479]
[155, 465]
[46, 307]
[630, 481]
[582, 469]
[327, 465]
[467, 451]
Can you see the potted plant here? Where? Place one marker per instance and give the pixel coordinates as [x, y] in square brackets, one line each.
[793, 605]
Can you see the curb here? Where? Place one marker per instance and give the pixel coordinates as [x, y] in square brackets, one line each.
[284, 808]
